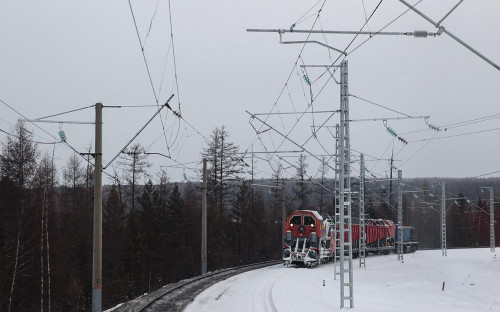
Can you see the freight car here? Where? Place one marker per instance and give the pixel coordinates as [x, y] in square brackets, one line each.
[309, 238]
[410, 243]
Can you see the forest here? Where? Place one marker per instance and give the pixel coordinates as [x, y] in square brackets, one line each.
[152, 226]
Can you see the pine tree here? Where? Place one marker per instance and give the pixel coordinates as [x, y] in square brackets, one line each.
[114, 222]
[192, 228]
[238, 220]
[301, 189]
[175, 232]
[224, 166]
[18, 167]
[153, 235]
[136, 165]
[133, 259]
[321, 191]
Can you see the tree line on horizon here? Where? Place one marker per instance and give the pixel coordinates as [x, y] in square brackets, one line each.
[152, 226]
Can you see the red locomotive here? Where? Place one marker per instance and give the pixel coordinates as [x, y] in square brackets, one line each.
[309, 238]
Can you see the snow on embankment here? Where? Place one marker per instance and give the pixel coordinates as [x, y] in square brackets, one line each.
[471, 276]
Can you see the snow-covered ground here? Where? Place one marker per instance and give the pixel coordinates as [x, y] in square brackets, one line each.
[471, 276]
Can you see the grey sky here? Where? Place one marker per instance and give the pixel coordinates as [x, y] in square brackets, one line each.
[58, 56]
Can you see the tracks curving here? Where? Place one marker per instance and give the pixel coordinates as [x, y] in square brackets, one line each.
[175, 297]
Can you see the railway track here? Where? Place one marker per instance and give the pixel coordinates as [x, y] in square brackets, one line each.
[175, 297]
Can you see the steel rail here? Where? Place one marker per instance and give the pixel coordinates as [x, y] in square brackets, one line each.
[237, 270]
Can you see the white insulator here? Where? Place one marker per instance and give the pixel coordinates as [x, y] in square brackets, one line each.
[420, 34]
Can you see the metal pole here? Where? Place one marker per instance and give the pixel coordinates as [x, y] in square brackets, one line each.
[441, 28]
[362, 236]
[492, 222]
[97, 235]
[447, 14]
[345, 190]
[204, 220]
[337, 204]
[340, 32]
[400, 217]
[443, 220]
[341, 204]
[283, 211]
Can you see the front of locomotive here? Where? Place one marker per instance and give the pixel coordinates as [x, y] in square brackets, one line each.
[303, 232]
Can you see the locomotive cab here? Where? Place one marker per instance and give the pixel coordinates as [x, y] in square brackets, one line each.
[305, 238]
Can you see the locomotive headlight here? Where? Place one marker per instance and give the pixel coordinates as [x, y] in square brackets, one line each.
[312, 225]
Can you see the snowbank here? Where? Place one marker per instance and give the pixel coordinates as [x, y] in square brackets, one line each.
[471, 276]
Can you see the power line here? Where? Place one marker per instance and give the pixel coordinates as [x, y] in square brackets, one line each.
[381, 29]
[382, 106]
[173, 54]
[143, 127]
[147, 69]
[67, 112]
[455, 135]
[57, 141]
[296, 62]
[151, 22]
[485, 174]
[460, 124]
[17, 137]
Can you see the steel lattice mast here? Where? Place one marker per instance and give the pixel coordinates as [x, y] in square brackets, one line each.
[336, 252]
[400, 217]
[443, 220]
[345, 192]
[492, 222]
[362, 234]
[492, 219]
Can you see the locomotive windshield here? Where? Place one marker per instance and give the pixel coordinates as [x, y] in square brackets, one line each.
[296, 220]
[308, 220]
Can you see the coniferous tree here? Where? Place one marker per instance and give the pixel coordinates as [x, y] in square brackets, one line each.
[321, 191]
[301, 189]
[238, 220]
[17, 167]
[153, 235]
[43, 187]
[136, 164]
[224, 168]
[192, 228]
[114, 221]
[75, 232]
[133, 261]
[175, 233]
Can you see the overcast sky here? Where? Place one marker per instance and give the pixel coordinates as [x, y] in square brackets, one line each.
[57, 56]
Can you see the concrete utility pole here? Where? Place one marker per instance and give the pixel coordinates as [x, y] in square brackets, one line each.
[97, 235]
[283, 210]
[443, 220]
[204, 220]
[400, 217]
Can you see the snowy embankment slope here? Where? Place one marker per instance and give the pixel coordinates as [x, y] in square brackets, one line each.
[471, 276]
